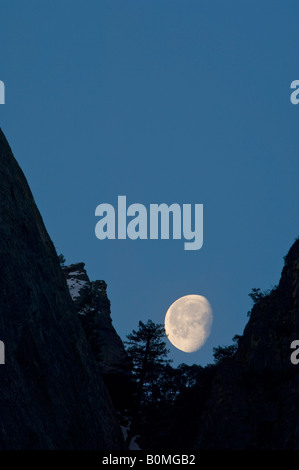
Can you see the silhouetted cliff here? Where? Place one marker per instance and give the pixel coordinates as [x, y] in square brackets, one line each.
[52, 395]
[250, 400]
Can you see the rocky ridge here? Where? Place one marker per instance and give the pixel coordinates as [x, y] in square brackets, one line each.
[52, 395]
[253, 402]
[93, 307]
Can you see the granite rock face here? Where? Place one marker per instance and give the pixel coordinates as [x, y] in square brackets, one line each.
[93, 307]
[52, 395]
[254, 396]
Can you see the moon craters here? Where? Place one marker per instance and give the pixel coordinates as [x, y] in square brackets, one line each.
[188, 322]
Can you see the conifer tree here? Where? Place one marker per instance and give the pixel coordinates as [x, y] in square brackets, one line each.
[148, 353]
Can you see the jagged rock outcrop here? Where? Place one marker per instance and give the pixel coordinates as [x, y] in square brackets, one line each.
[253, 401]
[93, 307]
[51, 391]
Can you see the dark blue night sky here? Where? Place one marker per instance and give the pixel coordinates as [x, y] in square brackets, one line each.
[164, 102]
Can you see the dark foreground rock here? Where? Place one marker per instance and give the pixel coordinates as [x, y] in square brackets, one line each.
[52, 395]
[250, 400]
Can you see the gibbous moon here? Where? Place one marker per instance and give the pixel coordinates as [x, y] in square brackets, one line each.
[188, 322]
